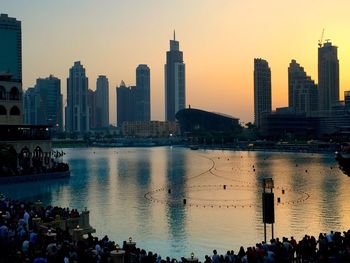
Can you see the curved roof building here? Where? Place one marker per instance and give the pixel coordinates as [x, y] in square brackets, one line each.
[195, 120]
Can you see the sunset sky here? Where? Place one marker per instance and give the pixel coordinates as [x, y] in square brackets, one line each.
[219, 38]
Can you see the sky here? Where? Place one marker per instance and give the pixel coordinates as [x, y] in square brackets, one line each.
[219, 38]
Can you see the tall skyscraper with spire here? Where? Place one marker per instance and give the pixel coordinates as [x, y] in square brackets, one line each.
[175, 86]
[262, 90]
[77, 112]
[328, 77]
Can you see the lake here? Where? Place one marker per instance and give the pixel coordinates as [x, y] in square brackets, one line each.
[140, 192]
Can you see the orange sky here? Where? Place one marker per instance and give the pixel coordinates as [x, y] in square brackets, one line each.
[219, 38]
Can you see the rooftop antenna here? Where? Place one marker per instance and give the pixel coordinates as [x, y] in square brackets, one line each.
[174, 34]
[321, 39]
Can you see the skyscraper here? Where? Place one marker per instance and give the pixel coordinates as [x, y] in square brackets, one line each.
[143, 96]
[102, 102]
[175, 87]
[262, 90]
[302, 90]
[91, 102]
[49, 103]
[328, 77]
[76, 111]
[126, 103]
[11, 47]
[30, 102]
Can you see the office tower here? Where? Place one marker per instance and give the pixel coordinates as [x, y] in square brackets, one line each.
[30, 100]
[91, 102]
[126, 103]
[11, 47]
[102, 102]
[143, 96]
[328, 77]
[302, 90]
[262, 89]
[76, 111]
[49, 104]
[175, 88]
[11, 104]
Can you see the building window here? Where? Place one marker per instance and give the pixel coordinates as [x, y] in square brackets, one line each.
[2, 93]
[14, 111]
[14, 93]
[2, 110]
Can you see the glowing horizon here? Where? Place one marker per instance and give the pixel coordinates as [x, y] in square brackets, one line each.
[220, 40]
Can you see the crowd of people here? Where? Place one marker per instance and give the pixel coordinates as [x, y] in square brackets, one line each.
[23, 240]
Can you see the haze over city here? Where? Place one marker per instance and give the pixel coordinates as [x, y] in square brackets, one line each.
[219, 39]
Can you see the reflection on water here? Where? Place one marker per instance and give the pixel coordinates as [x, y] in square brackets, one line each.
[126, 190]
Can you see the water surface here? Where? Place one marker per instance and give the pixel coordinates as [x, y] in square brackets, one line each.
[127, 192]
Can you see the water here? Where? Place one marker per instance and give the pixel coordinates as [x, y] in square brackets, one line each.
[126, 190]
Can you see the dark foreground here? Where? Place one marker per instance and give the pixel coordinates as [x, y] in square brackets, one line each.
[30, 232]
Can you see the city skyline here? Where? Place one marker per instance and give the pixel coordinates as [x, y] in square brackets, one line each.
[219, 49]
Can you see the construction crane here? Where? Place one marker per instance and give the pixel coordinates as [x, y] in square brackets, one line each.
[321, 39]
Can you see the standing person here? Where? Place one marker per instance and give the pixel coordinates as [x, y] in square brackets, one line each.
[26, 217]
[215, 258]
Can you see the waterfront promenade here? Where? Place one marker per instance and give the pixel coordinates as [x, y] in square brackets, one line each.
[29, 233]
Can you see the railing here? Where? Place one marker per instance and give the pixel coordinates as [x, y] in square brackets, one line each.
[22, 132]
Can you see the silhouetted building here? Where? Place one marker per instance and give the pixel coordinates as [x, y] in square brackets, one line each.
[50, 104]
[347, 99]
[143, 94]
[328, 77]
[200, 122]
[146, 129]
[302, 90]
[286, 124]
[30, 101]
[77, 112]
[262, 89]
[91, 102]
[102, 102]
[126, 103]
[11, 47]
[175, 87]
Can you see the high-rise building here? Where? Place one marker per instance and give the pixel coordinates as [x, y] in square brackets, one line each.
[328, 77]
[143, 95]
[262, 90]
[102, 102]
[30, 101]
[76, 111]
[49, 102]
[11, 47]
[302, 90]
[126, 103]
[91, 102]
[175, 87]
[11, 103]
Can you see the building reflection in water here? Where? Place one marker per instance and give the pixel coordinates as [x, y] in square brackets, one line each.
[177, 182]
